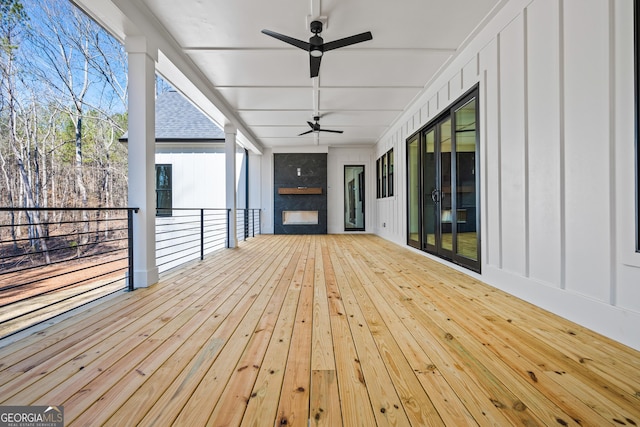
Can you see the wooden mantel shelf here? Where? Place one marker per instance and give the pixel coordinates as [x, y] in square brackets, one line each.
[300, 190]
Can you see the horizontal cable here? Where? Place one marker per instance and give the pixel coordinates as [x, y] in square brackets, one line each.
[56, 275]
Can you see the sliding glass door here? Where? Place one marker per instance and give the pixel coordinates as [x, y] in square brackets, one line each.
[467, 183]
[431, 195]
[443, 184]
[413, 195]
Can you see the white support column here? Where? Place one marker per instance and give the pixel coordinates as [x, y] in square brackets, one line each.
[142, 59]
[230, 180]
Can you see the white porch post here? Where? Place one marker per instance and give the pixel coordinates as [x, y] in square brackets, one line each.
[142, 59]
[230, 180]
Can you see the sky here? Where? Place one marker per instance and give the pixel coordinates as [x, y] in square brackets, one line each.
[52, 60]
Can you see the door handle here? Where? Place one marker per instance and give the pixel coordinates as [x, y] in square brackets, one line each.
[435, 195]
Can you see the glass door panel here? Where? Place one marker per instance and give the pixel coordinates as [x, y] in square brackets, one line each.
[354, 198]
[446, 215]
[413, 193]
[443, 183]
[431, 194]
[466, 197]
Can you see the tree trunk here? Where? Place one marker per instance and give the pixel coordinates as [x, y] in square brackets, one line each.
[84, 238]
[35, 227]
[36, 233]
[10, 201]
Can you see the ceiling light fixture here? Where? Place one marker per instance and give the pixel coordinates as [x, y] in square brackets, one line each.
[315, 51]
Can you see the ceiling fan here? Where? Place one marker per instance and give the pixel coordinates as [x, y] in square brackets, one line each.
[316, 46]
[315, 127]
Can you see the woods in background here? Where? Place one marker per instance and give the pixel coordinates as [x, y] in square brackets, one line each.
[63, 95]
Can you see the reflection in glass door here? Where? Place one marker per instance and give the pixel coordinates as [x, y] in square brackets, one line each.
[443, 184]
[354, 198]
[431, 195]
[466, 194]
[446, 215]
[413, 205]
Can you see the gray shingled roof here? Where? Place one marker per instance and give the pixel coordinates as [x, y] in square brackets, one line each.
[177, 119]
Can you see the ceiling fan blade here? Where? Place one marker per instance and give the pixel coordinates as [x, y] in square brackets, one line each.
[314, 63]
[294, 42]
[310, 125]
[304, 133]
[332, 131]
[347, 41]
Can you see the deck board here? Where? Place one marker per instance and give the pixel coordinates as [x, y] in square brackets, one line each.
[322, 331]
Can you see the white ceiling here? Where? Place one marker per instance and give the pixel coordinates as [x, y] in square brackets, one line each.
[214, 52]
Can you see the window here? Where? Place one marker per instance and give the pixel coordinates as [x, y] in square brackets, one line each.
[379, 178]
[163, 190]
[384, 175]
[390, 173]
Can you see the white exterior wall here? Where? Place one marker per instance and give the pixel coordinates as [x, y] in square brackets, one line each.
[557, 156]
[390, 212]
[337, 159]
[198, 176]
[266, 196]
[255, 178]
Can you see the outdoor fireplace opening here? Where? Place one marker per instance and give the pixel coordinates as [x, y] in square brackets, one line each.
[299, 217]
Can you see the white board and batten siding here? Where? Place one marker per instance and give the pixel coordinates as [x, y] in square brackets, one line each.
[337, 159]
[557, 157]
[198, 181]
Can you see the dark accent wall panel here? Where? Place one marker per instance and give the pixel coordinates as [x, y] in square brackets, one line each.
[313, 174]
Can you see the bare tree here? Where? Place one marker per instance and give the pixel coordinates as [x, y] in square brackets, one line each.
[65, 67]
[84, 66]
[13, 18]
[63, 92]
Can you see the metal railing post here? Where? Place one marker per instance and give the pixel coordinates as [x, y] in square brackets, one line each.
[130, 243]
[201, 234]
[246, 223]
[228, 227]
[253, 223]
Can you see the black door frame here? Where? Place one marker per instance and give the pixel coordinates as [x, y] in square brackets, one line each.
[437, 249]
[362, 195]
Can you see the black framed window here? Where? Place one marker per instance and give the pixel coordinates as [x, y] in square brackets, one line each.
[384, 175]
[390, 173]
[378, 179]
[164, 186]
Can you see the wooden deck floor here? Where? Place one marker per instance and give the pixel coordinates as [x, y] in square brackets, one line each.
[322, 330]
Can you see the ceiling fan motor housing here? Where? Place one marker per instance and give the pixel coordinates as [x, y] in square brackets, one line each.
[316, 27]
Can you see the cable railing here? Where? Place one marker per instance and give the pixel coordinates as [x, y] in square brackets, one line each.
[53, 260]
[247, 223]
[187, 234]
